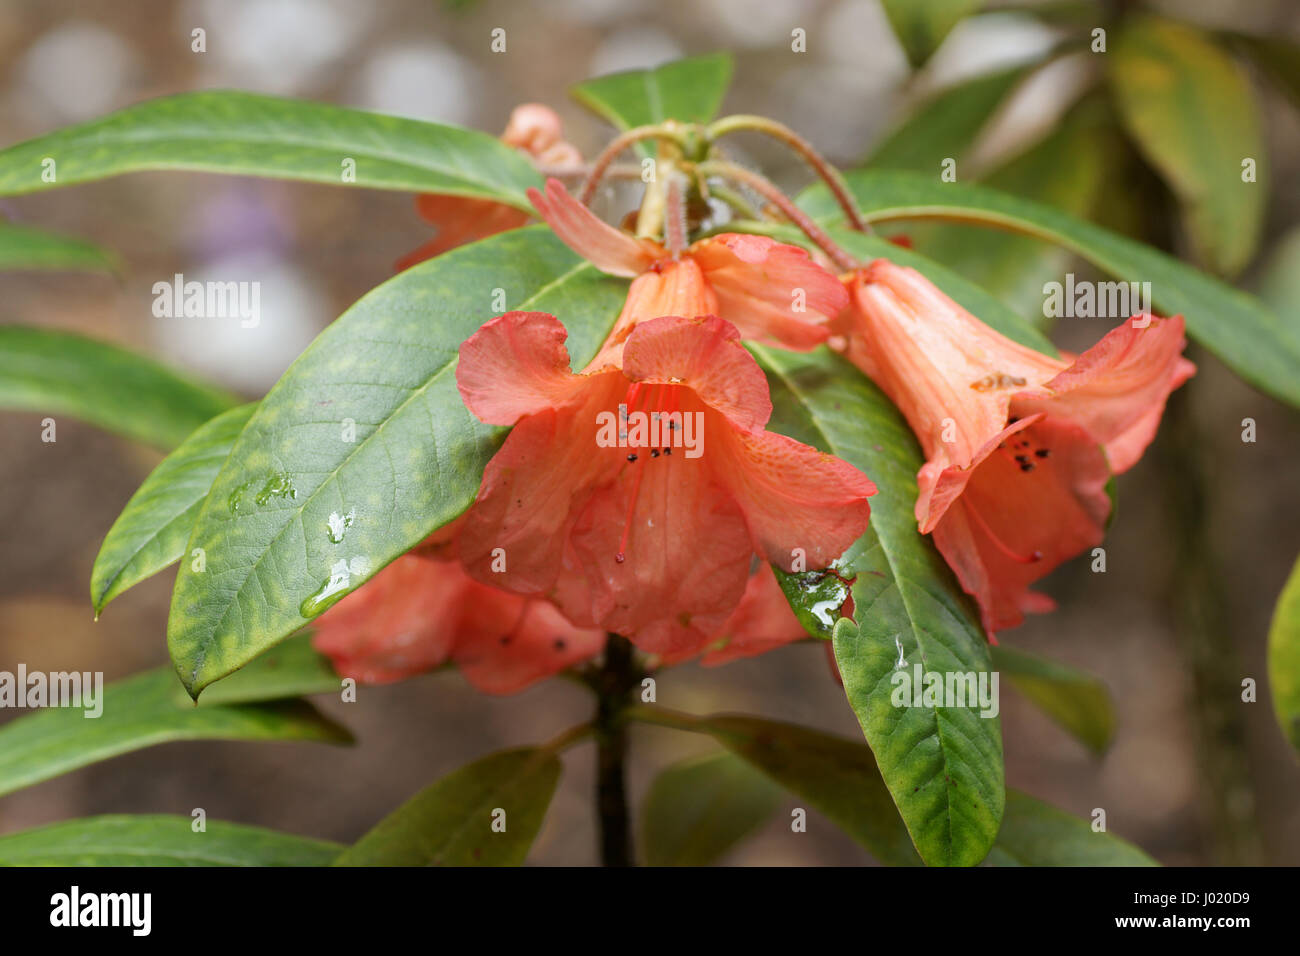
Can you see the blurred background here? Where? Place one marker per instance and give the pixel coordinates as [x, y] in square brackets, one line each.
[1194, 775]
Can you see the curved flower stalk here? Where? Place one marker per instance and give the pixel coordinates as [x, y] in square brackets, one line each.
[771, 292]
[421, 612]
[1019, 445]
[535, 130]
[635, 494]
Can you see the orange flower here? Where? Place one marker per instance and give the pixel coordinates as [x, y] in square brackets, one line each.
[772, 292]
[635, 494]
[534, 129]
[1019, 446]
[421, 612]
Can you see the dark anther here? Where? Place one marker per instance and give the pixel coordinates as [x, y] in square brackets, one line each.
[654, 452]
[559, 644]
[1043, 452]
[632, 457]
[1027, 466]
[668, 451]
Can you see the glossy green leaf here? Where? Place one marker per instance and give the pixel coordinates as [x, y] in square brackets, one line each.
[290, 669]
[942, 765]
[921, 25]
[1067, 170]
[1192, 112]
[697, 810]
[25, 248]
[1036, 834]
[60, 373]
[837, 777]
[1238, 328]
[1284, 658]
[1077, 701]
[160, 840]
[246, 134]
[138, 712]
[150, 533]
[689, 91]
[364, 447]
[451, 822]
[946, 125]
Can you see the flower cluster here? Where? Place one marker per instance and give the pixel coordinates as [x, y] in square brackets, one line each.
[644, 496]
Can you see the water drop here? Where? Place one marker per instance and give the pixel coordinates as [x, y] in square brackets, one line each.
[338, 525]
[279, 485]
[332, 591]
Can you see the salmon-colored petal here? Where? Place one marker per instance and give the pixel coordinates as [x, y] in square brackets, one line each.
[664, 555]
[761, 283]
[802, 506]
[399, 623]
[1117, 389]
[514, 365]
[460, 220]
[763, 621]
[672, 287]
[703, 354]
[608, 249]
[950, 375]
[1024, 510]
[541, 643]
[533, 127]
[514, 535]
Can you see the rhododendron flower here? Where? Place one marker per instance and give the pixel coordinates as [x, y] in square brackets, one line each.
[534, 129]
[772, 292]
[1019, 446]
[637, 538]
[421, 612]
[761, 622]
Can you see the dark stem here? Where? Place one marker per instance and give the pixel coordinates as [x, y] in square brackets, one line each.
[614, 684]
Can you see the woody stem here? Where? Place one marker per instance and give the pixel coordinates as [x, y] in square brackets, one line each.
[773, 194]
[613, 683]
[779, 131]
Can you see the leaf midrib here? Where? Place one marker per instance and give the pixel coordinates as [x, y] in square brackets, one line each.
[895, 578]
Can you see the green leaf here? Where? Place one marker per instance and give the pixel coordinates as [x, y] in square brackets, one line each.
[160, 840]
[1191, 110]
[1036, 834]
[300, 515]
[1235, 326]
[1284, 658]
[945, 126]
[246, 134]
[290, 669]
[689, 91]
[1075, 700]
[150, 533]
[921, 25]
[1065, 170]
[138, 712]
[837, 777]
[450, 822]
[22, 247]
[54, 373]
[697, 810]
[943, 765]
